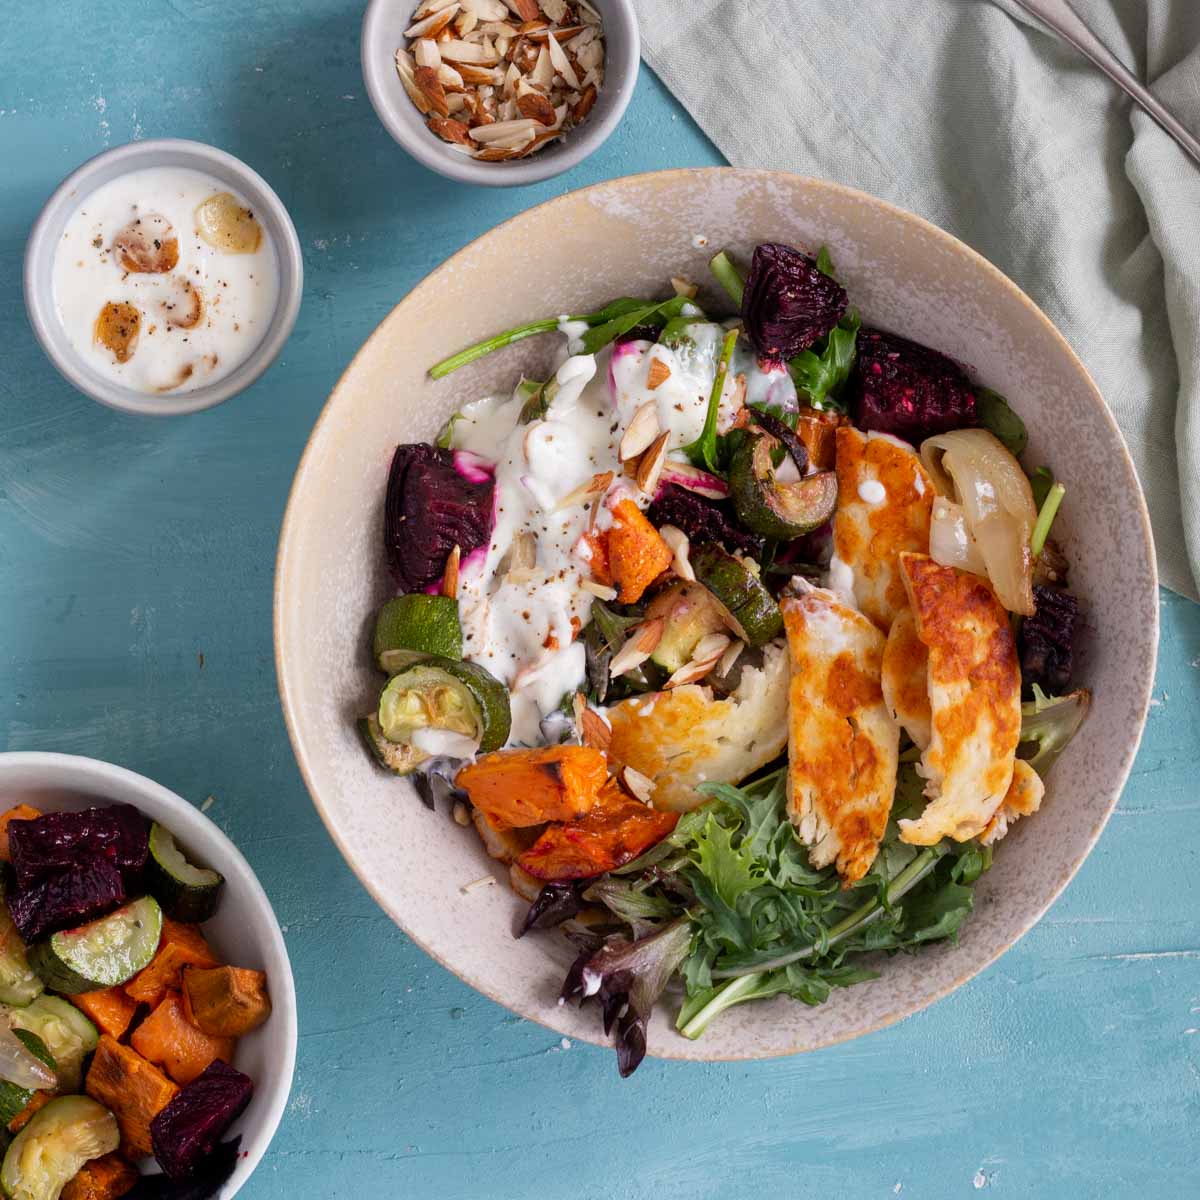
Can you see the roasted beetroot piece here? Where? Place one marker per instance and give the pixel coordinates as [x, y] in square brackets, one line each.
[904, 388]
[555, 903]
[185, 1133]
[788, 302]
[59, 840]
[701, 519]
[73, 897]
[207, 1182]
[1048, 640]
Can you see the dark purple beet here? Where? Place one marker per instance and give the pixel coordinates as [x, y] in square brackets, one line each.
[1048, 640]
[58, 840]
[703, 520]
[789, 302]
[73, 897]
[430, 508]
[205, 1184]
[185, 1133]
[554, 904]
[906, 389]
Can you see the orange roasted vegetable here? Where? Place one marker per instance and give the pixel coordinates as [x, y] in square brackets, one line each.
[637, 555]
[110, 1009]
[615, 832]
[180, 946]
[169, 1040]
[134, 1090]
[36, 1101]
[225, 1001]
[18, 812]
[818, 431]
[106, 1178]
[514, 788]
[597, 556]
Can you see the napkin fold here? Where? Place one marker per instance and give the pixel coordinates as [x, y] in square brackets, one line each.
[972, 114]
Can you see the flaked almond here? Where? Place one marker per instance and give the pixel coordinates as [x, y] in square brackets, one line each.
[504, 129]
[642, 641]
[538, 142]
[684, 287]
[730, 657]
[426, 78]
[487, 10]
[680, 548]
[432, 25]
[699, 667]
[658, 374]
[543, 69]
[527, 10]
[478, 76]
[650, 465]
[556, 10]
[465, 23]
[543, 33]
[426, 53]
[584, 104]
[583, 494]
[450, 574]
[592, 728]
[600, 590]
[432, 6]
[522, 554]
[561, 63]
[499, 29]
[639, 785]
[460, 51]
[584, 37]
[414, 93]
[450, 79]
[535, 106]
[639, 433]
[514, 143]
[450, 130]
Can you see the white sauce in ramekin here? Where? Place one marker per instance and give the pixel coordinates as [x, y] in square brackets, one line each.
[238, 292]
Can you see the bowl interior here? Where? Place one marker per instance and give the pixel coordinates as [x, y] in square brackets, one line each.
[574, 254]
[244, 931]
[39, 292]
[383, 33]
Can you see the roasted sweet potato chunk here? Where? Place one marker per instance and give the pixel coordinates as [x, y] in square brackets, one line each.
[134, 1090]
[515, 788]
[18, 812]
[36, 1101]
[637, 555]
[106, 1178]
[169, 1040]
[225, 1001]
[180, 946]
[110, 1009]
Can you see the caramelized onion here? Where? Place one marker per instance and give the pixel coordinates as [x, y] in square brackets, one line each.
[950, 541]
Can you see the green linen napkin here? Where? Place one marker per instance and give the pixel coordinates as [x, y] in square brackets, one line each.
[975, 116]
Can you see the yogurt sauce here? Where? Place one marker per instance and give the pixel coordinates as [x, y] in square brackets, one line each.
[180, 318]
[524, 630]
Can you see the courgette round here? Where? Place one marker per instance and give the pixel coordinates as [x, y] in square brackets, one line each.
[413, 627]
[184, 892]
[14, 1098]
[445, 694]
[754, 613]
[18, 982]
[102, 953]
[66, 1032]
[396, 757]
[50, 1150]
[777, 510]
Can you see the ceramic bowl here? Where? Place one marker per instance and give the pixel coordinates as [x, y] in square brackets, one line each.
[135, 156]
[628, 237]
[244, 930]
[383, 29]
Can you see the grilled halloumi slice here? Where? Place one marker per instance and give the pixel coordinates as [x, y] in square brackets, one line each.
[885, 500]
[1024, 798]
[905, 679]
[686, 736]
[974, 699]
[842, 742]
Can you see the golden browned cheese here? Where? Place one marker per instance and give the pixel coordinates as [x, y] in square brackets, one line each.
[1023, 799]
[974, 697]
[905, 678]
[684, 737]
[843, 743]
[869, 533]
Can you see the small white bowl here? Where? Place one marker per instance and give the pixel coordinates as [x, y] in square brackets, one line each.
[244, 930]
[383, 33]
[163, 152]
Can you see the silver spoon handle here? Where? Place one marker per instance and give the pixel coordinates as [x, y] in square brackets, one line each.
[1063, 19]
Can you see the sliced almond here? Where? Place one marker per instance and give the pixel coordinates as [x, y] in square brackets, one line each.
[584, 104]
[459, 51]
[680, 547]
[590, 727]
[477, 76]
[487, 10]
[504, 129]
[433, 24]
[730, 657]
[499, 29]
[600, 590]
[642, 641]
[538, 142]
[527, 10]
[591, 57]
[426, 78]
[450, 130]
[450, 574]
[414, 93]
[583, 494]
[684, 287]
[431, 6]
[535, 106]
[556, 10]
[638, 784]
[584, 38]
[451, 79]
[639, 433]
[543, 70]
[465, 23]
[658, 374]
[560, 62]
[426, 53]
[714, 645]
[522, 554]
[650, 465]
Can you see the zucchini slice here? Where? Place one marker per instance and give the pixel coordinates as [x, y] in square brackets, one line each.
[50, 1150]
[18, 982]
[392, 756]
[412, 627]
[100, 954]
[184, 892]
[67, 1034]
[13, 1097]
[769, 507]
[753, 612]
[445, 694]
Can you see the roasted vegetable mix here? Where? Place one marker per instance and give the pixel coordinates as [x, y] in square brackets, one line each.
[740, 641]
[118, 1021]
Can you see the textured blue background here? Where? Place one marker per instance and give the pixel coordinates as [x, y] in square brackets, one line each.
[136, 564]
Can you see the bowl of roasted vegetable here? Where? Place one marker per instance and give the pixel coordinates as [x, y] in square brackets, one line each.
[715, 614]
[147, 1015]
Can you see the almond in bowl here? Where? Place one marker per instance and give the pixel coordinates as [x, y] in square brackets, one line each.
[499, 79]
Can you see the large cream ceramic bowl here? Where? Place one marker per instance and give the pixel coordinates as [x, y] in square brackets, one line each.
[572, 255]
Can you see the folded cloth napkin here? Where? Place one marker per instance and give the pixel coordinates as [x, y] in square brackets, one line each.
[975, 116]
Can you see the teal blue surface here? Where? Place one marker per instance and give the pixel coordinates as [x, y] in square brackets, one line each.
[136, 562]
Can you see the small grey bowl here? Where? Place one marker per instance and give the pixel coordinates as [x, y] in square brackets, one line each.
[163, 152]
[383, 34]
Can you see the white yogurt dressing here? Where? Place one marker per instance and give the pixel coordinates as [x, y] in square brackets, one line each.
[524, 631]
[238, 291]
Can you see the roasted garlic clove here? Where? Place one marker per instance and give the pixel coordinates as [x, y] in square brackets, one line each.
[225, 225]
[147, 245]
[117, 329]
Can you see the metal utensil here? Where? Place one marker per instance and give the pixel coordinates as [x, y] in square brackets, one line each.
[1063, 19]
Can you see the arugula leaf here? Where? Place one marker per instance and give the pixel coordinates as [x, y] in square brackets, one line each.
[703, 451]
[820, 373]
[932, 915]
[998, 418]
[730, 869]
[445, 439]
[825, 262]
[657, 313]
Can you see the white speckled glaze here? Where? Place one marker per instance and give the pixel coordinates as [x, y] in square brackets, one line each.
[572, 254]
